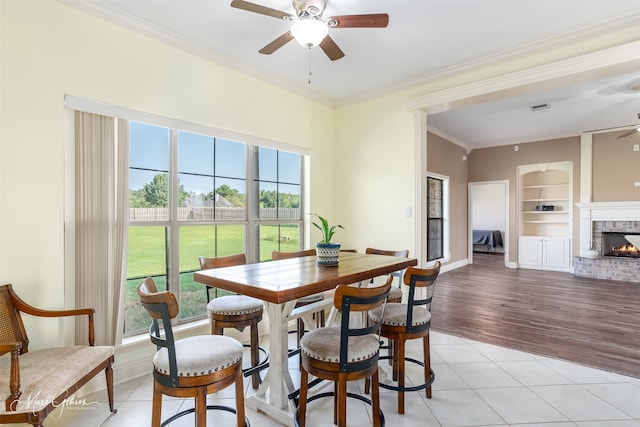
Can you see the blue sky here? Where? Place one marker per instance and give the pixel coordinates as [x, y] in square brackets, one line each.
[150, 150]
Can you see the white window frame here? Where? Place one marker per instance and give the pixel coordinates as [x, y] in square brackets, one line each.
[446, 197]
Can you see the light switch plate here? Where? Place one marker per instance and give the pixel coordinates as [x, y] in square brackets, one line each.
[636, 147]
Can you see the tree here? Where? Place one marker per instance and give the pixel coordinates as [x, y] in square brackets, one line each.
[232, 195]
[156, 192]
[288, 200]
[268, 199]
[136, 199]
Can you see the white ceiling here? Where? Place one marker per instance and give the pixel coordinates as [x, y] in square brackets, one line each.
[425, 39]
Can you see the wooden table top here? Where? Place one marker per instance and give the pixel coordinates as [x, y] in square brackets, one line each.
[291, 279]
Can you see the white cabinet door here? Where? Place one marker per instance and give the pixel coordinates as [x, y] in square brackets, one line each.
[556, 252]
[530, 250]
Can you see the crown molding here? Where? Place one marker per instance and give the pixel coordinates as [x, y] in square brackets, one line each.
[612, 61]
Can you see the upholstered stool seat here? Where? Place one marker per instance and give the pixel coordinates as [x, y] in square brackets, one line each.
[395, 294]
[309, 299]
[324, 344]
[396, 315]
[236, 311]
[200, 355]
[233, 305]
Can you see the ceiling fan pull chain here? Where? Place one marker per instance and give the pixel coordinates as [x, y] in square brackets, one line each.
[309, 66]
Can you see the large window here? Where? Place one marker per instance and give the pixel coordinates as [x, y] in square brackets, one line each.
[190, 196]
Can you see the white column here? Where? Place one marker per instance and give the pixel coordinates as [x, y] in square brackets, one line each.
[420, 149]
[586, 166]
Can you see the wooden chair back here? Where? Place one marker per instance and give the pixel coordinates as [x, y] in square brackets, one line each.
[402, 253]
[415, 277]
[162, 307]
[148, 293]
[350, 299]
[207, 263]
[11, 327]
[223, 261]
[278, 255]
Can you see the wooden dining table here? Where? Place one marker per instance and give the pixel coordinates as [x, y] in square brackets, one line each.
[280, 284]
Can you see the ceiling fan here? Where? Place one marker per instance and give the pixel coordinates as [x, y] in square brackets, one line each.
[630, 132]
[308, 27]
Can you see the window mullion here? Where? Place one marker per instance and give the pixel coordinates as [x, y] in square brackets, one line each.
[251, 203]
[174, 230]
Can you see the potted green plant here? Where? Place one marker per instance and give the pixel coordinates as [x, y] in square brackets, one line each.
[326, 252]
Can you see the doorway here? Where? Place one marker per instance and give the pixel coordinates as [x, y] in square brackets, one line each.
[489, 219]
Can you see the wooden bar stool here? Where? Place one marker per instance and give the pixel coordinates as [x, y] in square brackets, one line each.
[344, 353]
[189, 367]
[402, 322]
[236, 311]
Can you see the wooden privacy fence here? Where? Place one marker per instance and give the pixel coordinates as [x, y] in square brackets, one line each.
[220, 213]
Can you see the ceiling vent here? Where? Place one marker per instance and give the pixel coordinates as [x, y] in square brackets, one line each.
[539, 107]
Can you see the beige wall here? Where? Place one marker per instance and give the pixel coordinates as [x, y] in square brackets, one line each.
[500, 163]
[375, 175]
[445, 158]
[616, 167]
[49, 50]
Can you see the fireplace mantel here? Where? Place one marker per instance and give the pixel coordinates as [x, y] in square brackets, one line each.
[610, 211]
[604, 211]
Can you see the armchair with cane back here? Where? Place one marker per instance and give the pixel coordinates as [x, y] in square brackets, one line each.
[35, 383]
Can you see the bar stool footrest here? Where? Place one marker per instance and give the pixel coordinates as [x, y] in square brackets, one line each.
[330, 394]
[209, 407]
[432, 377]
[262, 364]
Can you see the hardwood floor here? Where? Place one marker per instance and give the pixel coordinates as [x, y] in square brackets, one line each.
[587, 321]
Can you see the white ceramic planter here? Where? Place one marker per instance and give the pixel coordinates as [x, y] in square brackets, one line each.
[592, 253]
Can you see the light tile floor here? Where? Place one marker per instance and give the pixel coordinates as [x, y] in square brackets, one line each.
[476, 385]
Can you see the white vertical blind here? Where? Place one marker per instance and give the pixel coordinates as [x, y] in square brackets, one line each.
[101, 221]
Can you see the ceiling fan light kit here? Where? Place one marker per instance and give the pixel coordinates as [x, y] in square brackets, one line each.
[309, 32]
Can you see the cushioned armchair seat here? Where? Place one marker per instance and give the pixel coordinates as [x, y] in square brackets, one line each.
[48, 375]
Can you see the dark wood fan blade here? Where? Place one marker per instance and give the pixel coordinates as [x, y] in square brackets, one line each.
[277, 43]
[373, 20]
[626, 134]
[263, 10]
[331, 48]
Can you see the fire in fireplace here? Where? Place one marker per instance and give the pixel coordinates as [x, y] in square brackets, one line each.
[615, 245]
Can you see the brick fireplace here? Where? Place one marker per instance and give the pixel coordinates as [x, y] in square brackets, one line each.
[610, 218]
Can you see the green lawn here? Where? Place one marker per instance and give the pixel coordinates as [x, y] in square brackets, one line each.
[147, 257]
